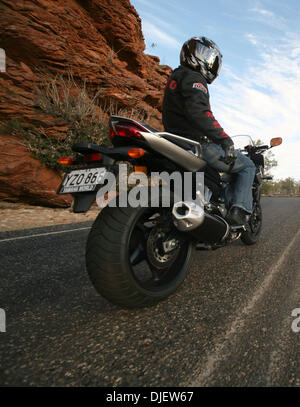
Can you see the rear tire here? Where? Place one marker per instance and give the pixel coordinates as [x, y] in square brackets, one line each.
[113, 240]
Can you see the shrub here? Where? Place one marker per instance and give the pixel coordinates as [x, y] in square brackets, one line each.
[62, 97]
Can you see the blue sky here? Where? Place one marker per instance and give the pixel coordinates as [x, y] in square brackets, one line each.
[258, 91]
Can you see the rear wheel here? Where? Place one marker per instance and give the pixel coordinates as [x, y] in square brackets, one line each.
[126, 257]
[251, 235]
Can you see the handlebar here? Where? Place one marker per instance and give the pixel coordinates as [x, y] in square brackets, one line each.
[250, 148]
[264, 147]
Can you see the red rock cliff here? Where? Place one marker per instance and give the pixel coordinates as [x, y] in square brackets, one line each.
[101, 41]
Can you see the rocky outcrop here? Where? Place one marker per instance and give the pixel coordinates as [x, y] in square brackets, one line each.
[100, 42]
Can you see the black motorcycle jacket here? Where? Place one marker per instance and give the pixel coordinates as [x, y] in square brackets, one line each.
[186, 108]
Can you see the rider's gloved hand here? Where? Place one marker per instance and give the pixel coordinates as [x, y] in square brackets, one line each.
[230, 154]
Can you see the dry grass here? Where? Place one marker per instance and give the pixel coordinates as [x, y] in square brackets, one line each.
[63, 97]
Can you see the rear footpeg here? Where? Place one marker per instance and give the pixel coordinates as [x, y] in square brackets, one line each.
[238, 227]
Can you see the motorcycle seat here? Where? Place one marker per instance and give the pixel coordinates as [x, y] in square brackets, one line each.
[180, 143]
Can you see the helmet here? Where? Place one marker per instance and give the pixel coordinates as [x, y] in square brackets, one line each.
[203, 55]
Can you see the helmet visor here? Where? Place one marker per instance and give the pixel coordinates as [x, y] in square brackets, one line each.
[216, 68]
[212, 57]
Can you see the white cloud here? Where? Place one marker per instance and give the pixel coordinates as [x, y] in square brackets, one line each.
[159, 22]
[265, 103]
[148, 4]
[251, 38]
[267, 17]
[263, 12]
[155, 34]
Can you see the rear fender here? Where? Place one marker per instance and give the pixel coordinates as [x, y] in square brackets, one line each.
[83, 201]
[116, 153]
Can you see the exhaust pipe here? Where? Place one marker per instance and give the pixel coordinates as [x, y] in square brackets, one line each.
[191, 218]
[187, 216]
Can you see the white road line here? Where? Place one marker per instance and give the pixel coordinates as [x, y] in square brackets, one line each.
[220, 353]
[43, 234]
[279, 357]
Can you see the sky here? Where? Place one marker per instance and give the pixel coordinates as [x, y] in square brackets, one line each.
[258, 90]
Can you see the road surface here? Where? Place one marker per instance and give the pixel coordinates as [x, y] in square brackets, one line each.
[230, 323]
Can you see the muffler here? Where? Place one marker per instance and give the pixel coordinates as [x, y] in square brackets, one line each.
[191, 218]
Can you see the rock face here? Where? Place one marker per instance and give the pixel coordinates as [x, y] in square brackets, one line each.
[101, 42]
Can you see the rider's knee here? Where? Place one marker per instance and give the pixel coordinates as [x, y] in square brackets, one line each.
[250, 163]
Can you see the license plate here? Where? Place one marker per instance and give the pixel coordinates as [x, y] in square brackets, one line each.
[82, 180]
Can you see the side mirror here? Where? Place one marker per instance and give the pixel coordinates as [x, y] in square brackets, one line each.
[276, 141]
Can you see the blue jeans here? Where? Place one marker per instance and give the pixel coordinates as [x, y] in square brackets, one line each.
[243, 167]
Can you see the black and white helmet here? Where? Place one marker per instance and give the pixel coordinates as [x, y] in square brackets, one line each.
[203, 55]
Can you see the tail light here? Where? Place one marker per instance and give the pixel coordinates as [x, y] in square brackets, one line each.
[88, 158]
[111, 133]
[125, 130]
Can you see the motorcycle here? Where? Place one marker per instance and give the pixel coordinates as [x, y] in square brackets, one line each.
[137, 255]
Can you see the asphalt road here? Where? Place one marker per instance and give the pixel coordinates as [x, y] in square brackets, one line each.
[230, 323]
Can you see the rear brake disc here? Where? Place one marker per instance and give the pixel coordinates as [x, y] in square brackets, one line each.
[156, 253]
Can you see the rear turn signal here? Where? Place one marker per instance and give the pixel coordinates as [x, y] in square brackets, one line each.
[136, 152]
[69, 160]
[140, 169]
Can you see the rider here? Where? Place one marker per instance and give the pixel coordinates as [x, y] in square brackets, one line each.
[187, 112]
